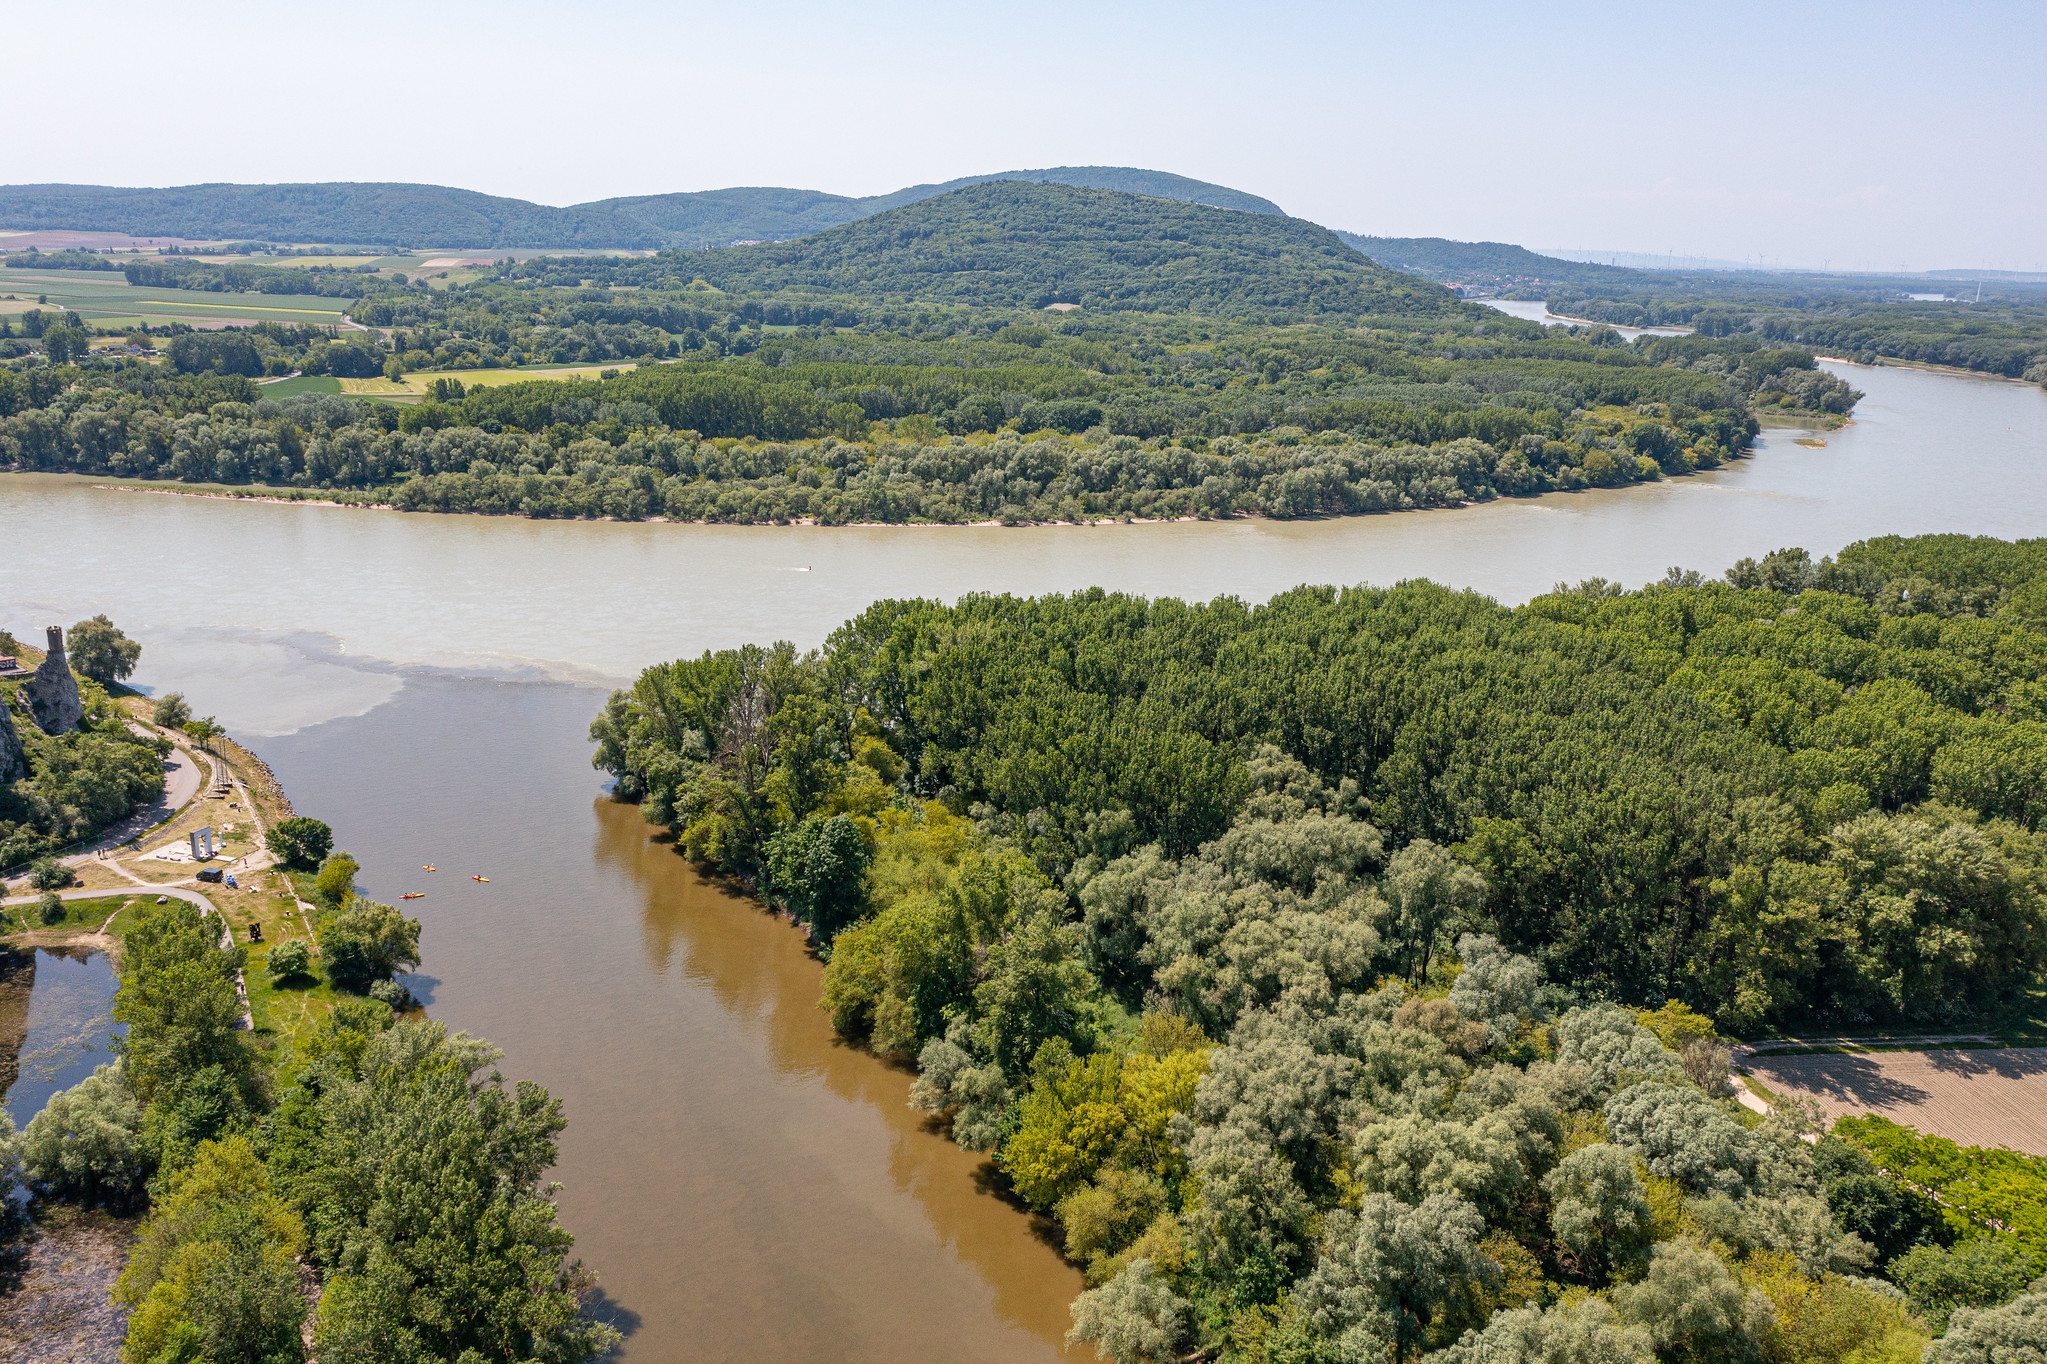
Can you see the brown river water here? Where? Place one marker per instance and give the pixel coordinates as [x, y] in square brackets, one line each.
[745, 1185]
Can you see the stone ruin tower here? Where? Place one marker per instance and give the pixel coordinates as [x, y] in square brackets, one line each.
[53, 692]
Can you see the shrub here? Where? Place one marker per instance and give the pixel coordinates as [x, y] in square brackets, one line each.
[170, 710]
[50, 907]
[49, 874]
[300, 843]
[85, 1146]
[289, 959]
[335, 884]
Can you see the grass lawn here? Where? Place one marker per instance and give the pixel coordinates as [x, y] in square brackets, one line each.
[288, 1009]
[81, 916]
[305, 383]
[284, 1010]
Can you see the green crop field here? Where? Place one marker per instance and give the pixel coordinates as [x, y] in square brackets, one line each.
[102, 297]
[305, 383]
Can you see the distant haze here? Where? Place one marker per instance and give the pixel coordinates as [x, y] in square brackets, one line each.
[1870, 136]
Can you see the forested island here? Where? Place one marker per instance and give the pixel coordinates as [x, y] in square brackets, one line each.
[1217, 363]
[2000, 329]
[1349, 974]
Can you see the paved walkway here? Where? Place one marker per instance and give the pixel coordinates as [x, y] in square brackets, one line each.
[1929, 1040]
[189, 782]
[182, 781]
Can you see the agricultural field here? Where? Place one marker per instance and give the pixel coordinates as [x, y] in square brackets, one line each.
[1989, 1097]
[304, 383]
[417, 385]
[104, 298]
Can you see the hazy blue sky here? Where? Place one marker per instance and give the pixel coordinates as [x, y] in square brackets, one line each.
[1868, 135]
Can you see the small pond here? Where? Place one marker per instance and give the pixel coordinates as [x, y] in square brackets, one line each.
[56, 1023]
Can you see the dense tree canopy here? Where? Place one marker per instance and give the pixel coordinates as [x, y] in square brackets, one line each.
[1299, 959]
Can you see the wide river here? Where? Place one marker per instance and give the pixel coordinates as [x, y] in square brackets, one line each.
[746, 1186]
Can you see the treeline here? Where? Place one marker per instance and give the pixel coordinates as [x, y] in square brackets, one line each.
[1300, 959]
[383, 1157]
[37, 259]
[2006, 333]
[1651, 783]
[1157, 417]
[171, 272]
[611, 458]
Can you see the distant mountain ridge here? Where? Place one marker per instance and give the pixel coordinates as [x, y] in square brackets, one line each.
[1486, 264]
[373, 213]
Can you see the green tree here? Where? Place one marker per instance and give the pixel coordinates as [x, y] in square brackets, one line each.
[1033, 990]
[1981, 1271]
[1694, 1310]
[2015, 1333]
[289, 959]
[1135, 1318]
[300, 843]
[101, 652]
[1599, 1210]
[86, 1144]
[421, 1183]
[47, 873]
[819, 868]
[1585, 1332]
[170, 710]
[335, 885]
[212, 1273]
[179, 1001]
[1391, 1272]
[368, 942]
[1429, 895]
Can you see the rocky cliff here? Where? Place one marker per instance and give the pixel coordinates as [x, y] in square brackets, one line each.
[53, 692]
[13, 762]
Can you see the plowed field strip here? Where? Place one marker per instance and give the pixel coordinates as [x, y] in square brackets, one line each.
[1978, 1098]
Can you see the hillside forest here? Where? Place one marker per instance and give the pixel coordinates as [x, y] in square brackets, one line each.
[1240, 369]
[1348, 975]
[394, 214]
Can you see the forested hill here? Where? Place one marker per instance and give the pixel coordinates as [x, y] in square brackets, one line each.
[1014, 244]
[441, 216]
[1485, 263]
[335, 212]
[720, 217]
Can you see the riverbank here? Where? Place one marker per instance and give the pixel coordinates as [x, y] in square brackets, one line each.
[1894, 362]
[377, 501]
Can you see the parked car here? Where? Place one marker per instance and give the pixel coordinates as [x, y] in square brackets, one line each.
[211, 875]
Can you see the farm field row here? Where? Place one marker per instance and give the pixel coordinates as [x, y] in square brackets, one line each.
[418, 385]
[103, 298]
